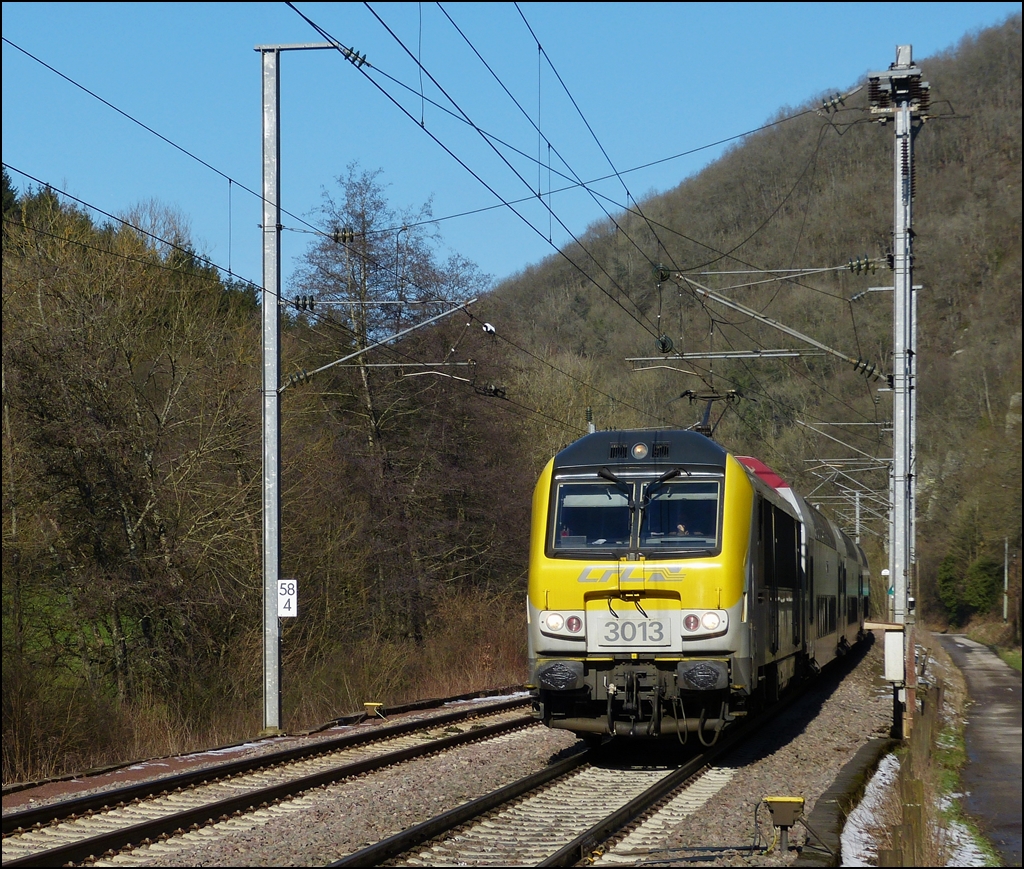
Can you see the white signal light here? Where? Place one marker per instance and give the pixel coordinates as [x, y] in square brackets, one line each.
[711, 621]
[554, 622]
[639, 451]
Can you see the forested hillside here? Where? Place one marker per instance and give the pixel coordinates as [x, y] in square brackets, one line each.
[814, 191]
[132, 572]
[132, 565]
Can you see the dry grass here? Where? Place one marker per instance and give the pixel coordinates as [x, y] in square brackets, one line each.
[66, 733]
[929, 773]
[887, 818]
[1002, 637]
[475, 642]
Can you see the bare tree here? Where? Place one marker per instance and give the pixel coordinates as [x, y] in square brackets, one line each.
[129, 391]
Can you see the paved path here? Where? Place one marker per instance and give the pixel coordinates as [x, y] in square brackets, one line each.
[992, 777]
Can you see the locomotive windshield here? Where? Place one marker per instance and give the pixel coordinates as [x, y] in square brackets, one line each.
[592, 514]
[672, 516]
[681, 516]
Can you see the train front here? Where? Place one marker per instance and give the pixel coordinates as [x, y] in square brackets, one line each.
[636, 607]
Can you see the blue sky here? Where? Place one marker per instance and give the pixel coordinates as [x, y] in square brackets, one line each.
[632, 84]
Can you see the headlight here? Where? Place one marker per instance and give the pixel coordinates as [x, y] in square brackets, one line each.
[704, 623]
[554, 622]
[710, 621]
[563, 625]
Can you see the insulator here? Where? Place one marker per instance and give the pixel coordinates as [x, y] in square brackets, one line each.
[665, 344]
[354, 57]
[878, 95]
[833, 101]
[866, 368]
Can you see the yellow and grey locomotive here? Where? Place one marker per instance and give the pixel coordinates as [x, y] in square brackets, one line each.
[674, 586]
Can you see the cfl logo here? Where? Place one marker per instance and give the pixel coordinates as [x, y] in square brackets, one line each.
[631, 574]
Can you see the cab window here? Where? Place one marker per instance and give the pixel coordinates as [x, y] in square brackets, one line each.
[589, 515]
[681, 515]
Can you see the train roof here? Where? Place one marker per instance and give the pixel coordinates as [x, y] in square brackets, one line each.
[686, 448]
[692, 450]
[821, 528]
[764, 472]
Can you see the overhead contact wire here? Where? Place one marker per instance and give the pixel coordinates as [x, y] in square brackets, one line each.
[509, 165]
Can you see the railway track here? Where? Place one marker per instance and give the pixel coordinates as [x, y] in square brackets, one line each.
[607, 806]
[87, 827]
[562, 815]
[604, 806]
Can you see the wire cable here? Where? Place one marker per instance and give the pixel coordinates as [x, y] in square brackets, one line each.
[639, 316]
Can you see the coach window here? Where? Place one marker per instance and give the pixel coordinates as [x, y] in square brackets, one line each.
[589, 515]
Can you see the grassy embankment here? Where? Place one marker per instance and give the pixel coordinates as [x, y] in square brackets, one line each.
[475, 641]
[931, 774]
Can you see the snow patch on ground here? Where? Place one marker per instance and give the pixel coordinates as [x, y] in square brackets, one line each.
[960, 843]
[859, 847]
[858, 843]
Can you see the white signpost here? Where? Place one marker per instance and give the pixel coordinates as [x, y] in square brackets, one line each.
[287, 598]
